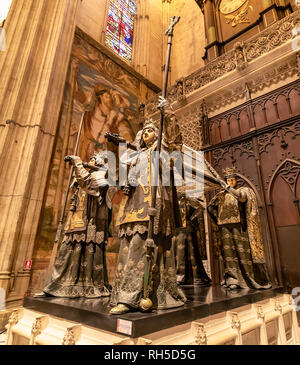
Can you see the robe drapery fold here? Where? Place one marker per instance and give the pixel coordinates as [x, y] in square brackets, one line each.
[80, 269]
[241, 247]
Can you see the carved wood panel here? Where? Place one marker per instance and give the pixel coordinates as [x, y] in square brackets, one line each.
[284, 195]
[269, 109]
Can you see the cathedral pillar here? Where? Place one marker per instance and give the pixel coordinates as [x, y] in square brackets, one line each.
[39, 37]
[142, 38]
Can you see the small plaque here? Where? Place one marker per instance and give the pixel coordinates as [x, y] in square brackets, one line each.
[124, 326]
[28, 264]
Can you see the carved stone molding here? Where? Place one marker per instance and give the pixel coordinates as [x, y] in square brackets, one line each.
[71, 336]
[235, 321]
[237, 59]
[200, 336]
[14, 318]
[240, 56]
[36, 327]
[143, 341]
[260, 312]
[277, 306]
[272, 37]
[190, 127]
[35, 330]
[255, 84]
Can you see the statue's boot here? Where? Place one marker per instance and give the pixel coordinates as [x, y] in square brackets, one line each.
[120, 309]
[42, 295]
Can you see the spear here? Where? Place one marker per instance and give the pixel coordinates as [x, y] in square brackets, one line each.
[60, 222]
[146, 302]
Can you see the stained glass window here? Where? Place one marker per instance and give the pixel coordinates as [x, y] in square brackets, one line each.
[119, 30]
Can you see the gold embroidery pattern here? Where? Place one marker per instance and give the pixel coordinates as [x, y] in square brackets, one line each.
[228, 209]
[253, 225]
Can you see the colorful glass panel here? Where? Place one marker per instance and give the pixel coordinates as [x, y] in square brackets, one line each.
[120, 25]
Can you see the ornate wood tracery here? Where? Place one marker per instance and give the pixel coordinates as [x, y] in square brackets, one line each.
[265, 155]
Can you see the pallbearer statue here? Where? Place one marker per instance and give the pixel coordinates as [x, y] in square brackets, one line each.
[235, 211]
[80, 268]
[133, 222]
[190, 242]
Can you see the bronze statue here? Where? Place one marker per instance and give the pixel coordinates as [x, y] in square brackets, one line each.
[189, 243]
[80, 268]
[133, 221]
[235, 211]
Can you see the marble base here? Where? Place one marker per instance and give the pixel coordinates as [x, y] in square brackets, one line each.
[202, 302]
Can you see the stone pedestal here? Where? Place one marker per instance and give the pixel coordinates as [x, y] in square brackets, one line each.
[212, 317]
[202, 302]
[33, 72]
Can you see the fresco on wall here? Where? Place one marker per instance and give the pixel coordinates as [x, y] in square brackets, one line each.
[110, 97]
[109, 109]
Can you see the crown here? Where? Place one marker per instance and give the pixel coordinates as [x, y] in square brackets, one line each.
[229, 172]
[150, 123]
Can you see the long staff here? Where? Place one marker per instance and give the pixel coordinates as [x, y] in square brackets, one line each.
[146, 303]
[60, 222]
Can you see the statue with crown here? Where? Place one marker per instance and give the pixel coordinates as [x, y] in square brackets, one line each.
[146, 276]
[135, 287]
[235, 212]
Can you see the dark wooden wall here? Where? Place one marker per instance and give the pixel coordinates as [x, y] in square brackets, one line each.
[262, 139]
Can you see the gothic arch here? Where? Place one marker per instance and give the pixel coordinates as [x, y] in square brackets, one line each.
[284, 214]
[290, 180]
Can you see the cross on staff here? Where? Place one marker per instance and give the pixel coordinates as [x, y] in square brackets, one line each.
[173, 21]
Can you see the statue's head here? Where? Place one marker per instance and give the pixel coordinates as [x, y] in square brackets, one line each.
[230, 176]
[149, 134]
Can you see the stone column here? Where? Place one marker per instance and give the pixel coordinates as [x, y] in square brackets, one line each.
[208, 9]
[33, 71]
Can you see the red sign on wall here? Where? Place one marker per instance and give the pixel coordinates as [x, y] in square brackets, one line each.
[28, 264]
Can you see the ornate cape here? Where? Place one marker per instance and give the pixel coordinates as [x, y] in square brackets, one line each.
[252, 220]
